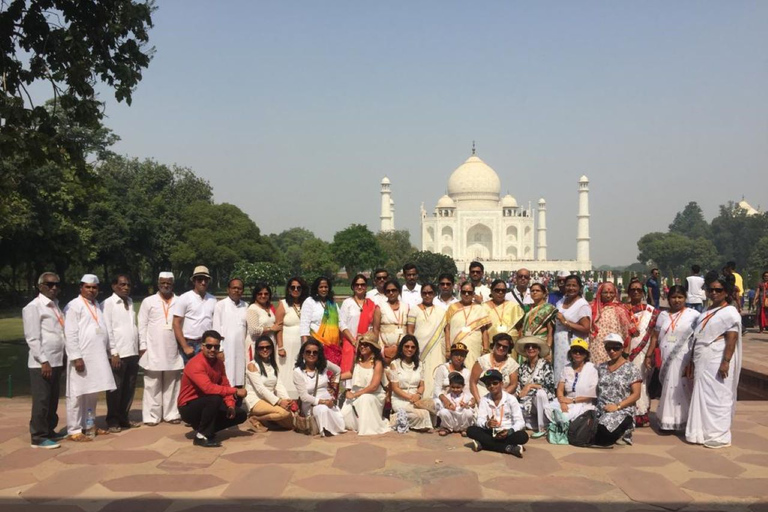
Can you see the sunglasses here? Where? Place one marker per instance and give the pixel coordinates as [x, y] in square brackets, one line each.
[427, 292]
[467, 292]
[632, 290]
[264, 347]
[523, 277]
[446, 284]
[311, 352]
[715, 290]
[492, 383]
[295, 288]
[614, 348]
[578, 351]
[475, 271]
[360, 285]
[391, 290]
[211, 346]
[503, 346]
[380, 278]
[500, 290]
[201, 279]
[52, 284]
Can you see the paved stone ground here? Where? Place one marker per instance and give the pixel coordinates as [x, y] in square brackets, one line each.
[156, 469]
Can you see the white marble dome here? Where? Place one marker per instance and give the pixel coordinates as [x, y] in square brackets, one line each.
[508, 202]
[445, 202]
[475, 183]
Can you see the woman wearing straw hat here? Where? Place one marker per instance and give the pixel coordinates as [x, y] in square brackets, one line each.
[500, 426]
[618, 388]
[535, 384]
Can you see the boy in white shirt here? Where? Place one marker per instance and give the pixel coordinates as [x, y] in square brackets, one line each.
[457, 412]
[500, 426]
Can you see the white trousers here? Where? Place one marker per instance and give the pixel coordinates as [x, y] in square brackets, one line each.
[77, 411]
[538, 411]
[161, 391]
[456, 421]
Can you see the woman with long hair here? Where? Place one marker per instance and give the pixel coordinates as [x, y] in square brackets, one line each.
[406, 376]
[316, 379]
[320, 319]
[609, 315]
[364, 403]
[574, 319]
[389, 320]
[260, 317]
[674, 337]
[715, 368]
[467, 323]
[267, 400]
[288, 315]
[355, 319]
[427, 323]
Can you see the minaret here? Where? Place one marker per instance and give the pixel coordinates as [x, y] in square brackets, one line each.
[541, 231]
[582, 232]
[386, 205]
[392, 214]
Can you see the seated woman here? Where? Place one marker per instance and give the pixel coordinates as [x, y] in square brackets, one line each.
[500, 426]
[536, 383]
[618, 388]
[406, 376]
[577, 389]
[267, 400]
[457, 412]
[500, 359]
[455, 364]
[364, 405]
[312, 382]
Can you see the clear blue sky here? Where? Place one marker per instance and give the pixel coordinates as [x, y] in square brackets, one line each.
[295, 110]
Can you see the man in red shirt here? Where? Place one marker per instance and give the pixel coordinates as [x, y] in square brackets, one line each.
[206, 399]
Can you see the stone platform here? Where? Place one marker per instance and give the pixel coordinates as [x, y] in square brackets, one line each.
[156, 469]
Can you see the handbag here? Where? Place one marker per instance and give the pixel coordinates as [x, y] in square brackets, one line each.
[307, 425]
[582, 430]
[557, 432]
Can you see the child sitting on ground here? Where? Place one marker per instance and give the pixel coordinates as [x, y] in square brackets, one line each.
[455, 409]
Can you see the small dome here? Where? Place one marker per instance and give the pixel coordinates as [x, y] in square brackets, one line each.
[584, 179]
[385, 181]
[508, 202]
[476, 182]
[446, 202]
[747, 208]
[542, 201]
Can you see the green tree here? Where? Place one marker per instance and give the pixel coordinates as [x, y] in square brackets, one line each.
[356, 249]
[735, 233]
[674, 253]
[690, 222]
[317, 260]
[271, 273]
[396, 249]
[758, 259]
[289, 243]
[431, 265]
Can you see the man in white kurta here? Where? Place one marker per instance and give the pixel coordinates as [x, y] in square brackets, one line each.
[229, 321]
[120, 318]
[160, 357]
[87, 345]
[44, 333]
[411, 291]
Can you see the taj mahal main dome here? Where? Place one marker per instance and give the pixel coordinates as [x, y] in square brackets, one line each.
[473, 222]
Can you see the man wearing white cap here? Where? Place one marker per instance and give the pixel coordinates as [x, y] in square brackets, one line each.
[87, 344]
[160, 357]
[120, 318]
[229, 321]
[193, 314]
[44, 332]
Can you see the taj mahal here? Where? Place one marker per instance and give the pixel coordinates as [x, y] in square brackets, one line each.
[473, 222]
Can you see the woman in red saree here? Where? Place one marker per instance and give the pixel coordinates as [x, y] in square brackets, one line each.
[609, 316]
[761, 304]
[355, 319]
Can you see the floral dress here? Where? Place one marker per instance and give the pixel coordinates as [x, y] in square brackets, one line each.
[612, 388]
[542, 374]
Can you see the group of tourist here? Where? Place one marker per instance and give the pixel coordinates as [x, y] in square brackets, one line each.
[492, 364]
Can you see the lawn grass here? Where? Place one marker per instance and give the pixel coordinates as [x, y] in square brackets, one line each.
[11, 328]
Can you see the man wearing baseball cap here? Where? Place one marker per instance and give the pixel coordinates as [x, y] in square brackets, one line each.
[193, 314]
[500, 426]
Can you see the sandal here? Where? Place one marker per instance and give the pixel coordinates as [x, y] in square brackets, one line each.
[102, 432]
[79, 438]
[442, 432]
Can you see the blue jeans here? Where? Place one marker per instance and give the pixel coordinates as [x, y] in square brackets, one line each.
[197, 345]
[697, 307]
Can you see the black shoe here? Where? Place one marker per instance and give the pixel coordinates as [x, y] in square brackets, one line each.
[206, 442]
[514, 449]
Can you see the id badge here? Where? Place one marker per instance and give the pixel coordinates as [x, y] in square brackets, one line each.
[399, 331]
[466, 329]
[502, 328]
[672, 338]
[167, 327]
[527, 333]
[98, 331]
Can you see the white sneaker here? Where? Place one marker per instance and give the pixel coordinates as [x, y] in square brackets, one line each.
[716, 445]
[514, 449]
[476, 447]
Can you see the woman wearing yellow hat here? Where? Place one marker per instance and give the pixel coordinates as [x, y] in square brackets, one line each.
[577, 389]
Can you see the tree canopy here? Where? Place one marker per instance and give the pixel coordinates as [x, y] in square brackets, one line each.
[430, 265]
[356, 249]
